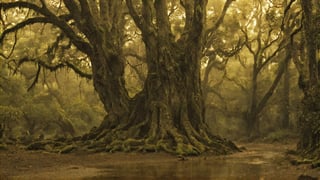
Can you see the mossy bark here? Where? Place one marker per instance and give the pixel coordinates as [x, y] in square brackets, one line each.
[168, 114]
[309, 143]
[309, 123]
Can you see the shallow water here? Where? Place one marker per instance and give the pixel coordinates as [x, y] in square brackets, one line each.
[186, 170]
[252, 164]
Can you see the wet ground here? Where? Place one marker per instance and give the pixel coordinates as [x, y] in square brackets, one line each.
[258, 161]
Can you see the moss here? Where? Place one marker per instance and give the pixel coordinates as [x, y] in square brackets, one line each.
[134, 142]
[149, 148]
[160, 134]
[162, 145]
[187, 149]
[116, 148]
[68, 149]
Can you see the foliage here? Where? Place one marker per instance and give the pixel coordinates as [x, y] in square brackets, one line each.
[38, 113]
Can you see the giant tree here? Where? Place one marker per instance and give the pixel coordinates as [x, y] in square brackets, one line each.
[168, 113]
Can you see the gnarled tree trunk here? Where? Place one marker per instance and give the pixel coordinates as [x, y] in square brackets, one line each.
[168, 114]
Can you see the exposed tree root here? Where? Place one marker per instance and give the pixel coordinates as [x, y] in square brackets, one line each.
[159, 137]
[151, 128]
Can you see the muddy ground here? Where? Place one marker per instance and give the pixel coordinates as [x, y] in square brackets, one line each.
[259, 161]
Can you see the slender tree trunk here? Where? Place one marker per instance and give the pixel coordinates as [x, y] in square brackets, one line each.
[252, 116]
[257, 107]
[285, 98]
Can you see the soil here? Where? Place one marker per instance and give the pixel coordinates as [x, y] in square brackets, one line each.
[257, 161]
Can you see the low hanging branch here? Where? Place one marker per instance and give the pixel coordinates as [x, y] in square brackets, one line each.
[21, 25]
[49, 17]
[46, 16]
[56, 66]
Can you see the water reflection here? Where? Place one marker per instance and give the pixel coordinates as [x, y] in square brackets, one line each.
[191, 169]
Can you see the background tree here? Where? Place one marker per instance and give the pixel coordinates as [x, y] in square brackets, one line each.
[229, 88]
[309, 80]
[266, 47]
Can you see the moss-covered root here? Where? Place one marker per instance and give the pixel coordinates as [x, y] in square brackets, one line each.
[164, 145]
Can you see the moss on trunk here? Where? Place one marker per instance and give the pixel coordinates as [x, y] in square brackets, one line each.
[309, 123]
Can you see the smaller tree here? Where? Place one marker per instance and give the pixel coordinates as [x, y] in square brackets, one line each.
[269, 45]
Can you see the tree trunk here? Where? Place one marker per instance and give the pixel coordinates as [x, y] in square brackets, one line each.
[309, 121]
[252, 116]
[285, 98]
[168, 114]
[108, 80]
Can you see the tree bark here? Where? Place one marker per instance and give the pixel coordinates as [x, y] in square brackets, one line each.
[168, 114]
[285, 98]
[252, 114]
[309, 120]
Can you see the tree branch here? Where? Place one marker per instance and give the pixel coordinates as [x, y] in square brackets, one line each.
[22, 25]
[141, 24]
[12, 48]
[210, 30]
[275, 83]
[60, 22]
[35, 79]
[73, 9]
[287, 8]
[54, 67]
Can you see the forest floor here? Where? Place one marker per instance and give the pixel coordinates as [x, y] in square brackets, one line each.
[258, 161]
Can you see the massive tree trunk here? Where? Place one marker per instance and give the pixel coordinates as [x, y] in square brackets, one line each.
[168, 114]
